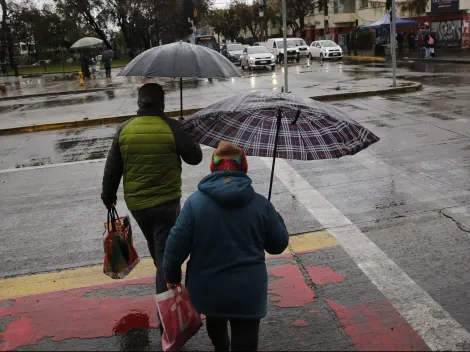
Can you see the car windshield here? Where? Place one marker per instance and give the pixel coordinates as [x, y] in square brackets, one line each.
[328, 44]
[299, 42]
[290, 44]
[234, 47]
[258, 50]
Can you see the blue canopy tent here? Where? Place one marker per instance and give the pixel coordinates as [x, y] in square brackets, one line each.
[384, 22]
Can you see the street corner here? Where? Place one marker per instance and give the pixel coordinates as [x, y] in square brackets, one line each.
[318, 299]
[353, 302]
[92, 312]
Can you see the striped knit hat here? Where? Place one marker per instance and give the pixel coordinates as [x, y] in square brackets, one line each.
[228, 157]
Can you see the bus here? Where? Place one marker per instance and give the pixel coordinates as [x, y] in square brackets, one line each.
[204, 38]
[207, 41]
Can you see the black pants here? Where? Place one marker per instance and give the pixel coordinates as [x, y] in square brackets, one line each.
[156, 224]
[244, 333]
[107, 68]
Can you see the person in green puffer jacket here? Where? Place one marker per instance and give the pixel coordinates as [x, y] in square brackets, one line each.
[147, 150]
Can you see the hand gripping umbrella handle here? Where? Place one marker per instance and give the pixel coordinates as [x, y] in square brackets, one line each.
[278, 127]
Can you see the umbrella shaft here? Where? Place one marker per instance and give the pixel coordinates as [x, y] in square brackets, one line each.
[181, 98]
[276, 139]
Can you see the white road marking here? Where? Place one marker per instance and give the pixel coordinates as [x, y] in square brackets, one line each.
[435, 325]
[50, 166]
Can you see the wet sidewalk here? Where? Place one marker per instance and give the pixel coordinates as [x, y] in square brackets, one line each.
[305, 81]
[319, 300]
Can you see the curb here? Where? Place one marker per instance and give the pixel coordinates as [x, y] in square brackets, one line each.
[110, 120]
[364, 58]
[66, 92]
[440, 61]
[413, 87]
[55, 73]
[71, 92]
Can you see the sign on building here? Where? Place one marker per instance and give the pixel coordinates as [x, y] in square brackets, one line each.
[444, 6]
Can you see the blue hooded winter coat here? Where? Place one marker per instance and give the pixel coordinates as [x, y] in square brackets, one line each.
[225, 227]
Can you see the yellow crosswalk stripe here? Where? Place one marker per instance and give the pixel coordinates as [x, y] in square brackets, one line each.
[93, 275]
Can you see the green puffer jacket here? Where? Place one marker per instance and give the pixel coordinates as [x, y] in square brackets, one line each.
[147, 151]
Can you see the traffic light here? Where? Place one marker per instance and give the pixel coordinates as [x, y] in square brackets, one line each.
[388, 4]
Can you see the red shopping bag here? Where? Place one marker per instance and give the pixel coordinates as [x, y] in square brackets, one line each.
[120, 256]
[179, 319]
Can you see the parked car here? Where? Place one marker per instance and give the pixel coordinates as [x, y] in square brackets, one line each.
[42, 62]
[301, 45]
[325, 49]
[276, 46]
[233, 52]
[257, 56]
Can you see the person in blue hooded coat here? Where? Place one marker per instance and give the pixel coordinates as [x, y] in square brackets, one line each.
[226, 227]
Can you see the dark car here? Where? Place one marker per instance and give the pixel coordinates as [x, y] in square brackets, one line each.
[233, 52]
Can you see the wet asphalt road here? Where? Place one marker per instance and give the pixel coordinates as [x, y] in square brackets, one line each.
[409, 193]
[312, 80]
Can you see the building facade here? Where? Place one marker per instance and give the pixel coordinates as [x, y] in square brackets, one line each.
[449, 18]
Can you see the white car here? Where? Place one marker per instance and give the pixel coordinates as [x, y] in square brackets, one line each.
[325, 49]
[257, 56]
[276, 46]
[301, 45]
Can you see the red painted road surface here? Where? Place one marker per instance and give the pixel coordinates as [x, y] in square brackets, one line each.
[295, 308]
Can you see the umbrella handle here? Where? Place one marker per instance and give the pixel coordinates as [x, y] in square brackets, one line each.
[278, 127]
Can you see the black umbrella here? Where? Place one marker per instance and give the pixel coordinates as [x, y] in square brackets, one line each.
[107, 55]
[279, 125]
[181, 60]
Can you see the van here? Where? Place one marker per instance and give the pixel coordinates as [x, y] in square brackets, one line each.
[276, 47]
[301, 45]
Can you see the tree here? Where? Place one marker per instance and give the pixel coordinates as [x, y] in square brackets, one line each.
[9, 37]
[249, 17]
[297, 11]
[92, 12]
[225, 22]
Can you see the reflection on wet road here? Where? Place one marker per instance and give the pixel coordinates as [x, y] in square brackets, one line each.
[55, 147]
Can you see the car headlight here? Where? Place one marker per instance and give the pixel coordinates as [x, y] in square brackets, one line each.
[272, 57]
[252, 59]
[296, 50]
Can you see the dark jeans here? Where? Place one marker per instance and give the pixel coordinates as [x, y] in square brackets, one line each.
[107, 68]
[156, 224]
[244, 333]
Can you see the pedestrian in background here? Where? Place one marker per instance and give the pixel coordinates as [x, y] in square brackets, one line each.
[107, 58]
[85, 65]
[411, 41]
[400, 40]
[147, 150]
[433, 34]
[225, 228]
[428, 45]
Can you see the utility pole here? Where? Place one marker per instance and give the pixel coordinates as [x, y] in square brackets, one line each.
[6, 27]
[284, 35]
[326, 27]
[392, 43]
[261, 6]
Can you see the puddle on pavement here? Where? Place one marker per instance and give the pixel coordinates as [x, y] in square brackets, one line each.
[35, 162]
[441, 116]
[52, 103]
[78, 149]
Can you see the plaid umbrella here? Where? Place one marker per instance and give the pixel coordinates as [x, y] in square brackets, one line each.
[279, 125]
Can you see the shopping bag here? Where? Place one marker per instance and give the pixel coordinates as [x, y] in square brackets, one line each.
[120, 256]
[179, 319]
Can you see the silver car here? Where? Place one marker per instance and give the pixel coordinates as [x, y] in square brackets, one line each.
[257, 56]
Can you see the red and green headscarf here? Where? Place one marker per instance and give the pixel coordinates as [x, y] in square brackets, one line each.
[228, 157]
